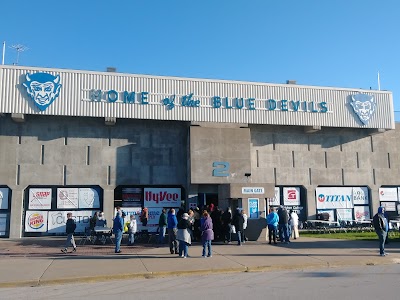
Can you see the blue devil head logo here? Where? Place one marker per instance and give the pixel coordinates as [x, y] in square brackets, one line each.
[364, 106]
[43, 88]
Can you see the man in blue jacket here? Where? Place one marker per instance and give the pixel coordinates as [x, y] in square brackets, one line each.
[172, 224]
[272, 222]
[381, 228]
[118, 228]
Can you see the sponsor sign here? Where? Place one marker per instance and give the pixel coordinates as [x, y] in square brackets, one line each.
[88, 198]
[58, 219]
[360, 196]
[291, 196]
[331, 213]
[388, 194]
[253, 190]
[152, 222]
[3, 198]
[67, 198]
[132, 197]
[361, 213]
[3, 224]
[253, 208]
[344, 214]
[389, 206]
[39, 199]
[276, 200]
[35, 221]
[162, 197]
[334, 197]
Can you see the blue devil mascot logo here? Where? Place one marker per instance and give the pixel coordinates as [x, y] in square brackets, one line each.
[43, 88]
[364, 106]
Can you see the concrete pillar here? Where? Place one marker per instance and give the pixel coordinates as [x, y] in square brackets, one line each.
[16, 213]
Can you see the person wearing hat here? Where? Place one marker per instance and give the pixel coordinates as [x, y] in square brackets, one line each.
[183, 235]
[381, 228]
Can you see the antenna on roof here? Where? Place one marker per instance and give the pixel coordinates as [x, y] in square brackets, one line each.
[4, 52]
[19, 48]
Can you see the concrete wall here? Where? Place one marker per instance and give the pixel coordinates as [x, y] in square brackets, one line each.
[47, 150]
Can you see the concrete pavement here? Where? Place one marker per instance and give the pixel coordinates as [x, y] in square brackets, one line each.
[38, 261]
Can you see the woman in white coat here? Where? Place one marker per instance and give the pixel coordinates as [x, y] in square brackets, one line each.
[294, 224]
[132, 230]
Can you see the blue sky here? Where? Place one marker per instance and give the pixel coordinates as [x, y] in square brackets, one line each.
[340, 43]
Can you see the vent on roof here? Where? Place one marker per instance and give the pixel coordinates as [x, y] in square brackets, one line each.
[290, 81]
[111, 69]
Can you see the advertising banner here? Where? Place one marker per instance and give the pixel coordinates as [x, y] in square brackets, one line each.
[162, 197]
[132, 197]
[331, 213]
[362, 213]
[3, 198]
[3, 224]
[360, 196]
[39, 199]
[57, 220]
[35, 221]
[152, 223]
[253, 208]
[334, 197]
[67, 198]
[388, 194]
[276, 201]
[88, 198]
[291, 196]
[344, 214]
[389, 206]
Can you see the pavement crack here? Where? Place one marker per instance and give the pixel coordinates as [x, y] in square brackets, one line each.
[40, 278]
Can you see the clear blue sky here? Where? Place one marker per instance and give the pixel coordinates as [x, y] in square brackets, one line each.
[340, 43]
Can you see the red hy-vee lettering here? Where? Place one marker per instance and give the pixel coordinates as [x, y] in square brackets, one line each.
[161, 196]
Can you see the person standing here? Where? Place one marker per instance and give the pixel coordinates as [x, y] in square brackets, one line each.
[183, 235]
[272, 223]
[207, 234]
[294, 224]
[144, 217]
[226, 219]
[283, 225]
[172, 223]
[118, 229]
[70, 230]
[380, 225]
[132, 229]
[245, 217]
[162, 226]
[238, 221]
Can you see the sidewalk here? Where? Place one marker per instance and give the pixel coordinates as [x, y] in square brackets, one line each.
[38, 261]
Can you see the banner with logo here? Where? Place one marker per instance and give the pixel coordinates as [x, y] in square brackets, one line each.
[67, 198]
[132, 197]
[253, 208]
[362, 213]
[89, 198]
[162, 197]
[360, 196]
[4, 198]
[152, 223]
[334, 197]
[389, 206]
[58, 219]
[388, 194]
[344, 214]
[39, 199]
[291, 196]
[3, 224]
[35, 221]
[276, 201]
[331, 213]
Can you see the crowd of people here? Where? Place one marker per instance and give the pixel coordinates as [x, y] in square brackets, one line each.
[282, 224]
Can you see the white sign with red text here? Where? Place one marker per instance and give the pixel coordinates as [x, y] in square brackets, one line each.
[40, 199]
[162, 197]
[387, 194]
[291, 196]
[67, 197]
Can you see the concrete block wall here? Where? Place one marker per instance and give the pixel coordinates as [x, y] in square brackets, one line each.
[46, 150]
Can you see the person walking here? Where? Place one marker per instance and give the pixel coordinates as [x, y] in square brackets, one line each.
[245, 217]
[238, 221]
[207, 234]
[381, 227]
[132, 229]
[183, 235]
[272, 223]
[70, 230]
[294, 224]
[172, 223]
[162, 226]
[118, 229]
[283, 225]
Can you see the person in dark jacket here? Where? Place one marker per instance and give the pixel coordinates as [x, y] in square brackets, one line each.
[283, 224]
[69, 230]
[118, 228]
[207, 234]
[183, 235]
[226, 219]
[172, 223]
[162, 226]
[238, 221]
[381, 227]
